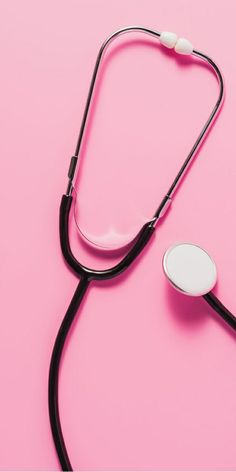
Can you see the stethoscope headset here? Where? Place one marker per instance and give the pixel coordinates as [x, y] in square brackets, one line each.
[188, 267]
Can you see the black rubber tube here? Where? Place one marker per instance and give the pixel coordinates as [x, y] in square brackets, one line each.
[215, 303]
[86, 275]
[54, 374]
[140, 242]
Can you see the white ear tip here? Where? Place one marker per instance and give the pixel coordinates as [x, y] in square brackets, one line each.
[168, 39]
[183, 46]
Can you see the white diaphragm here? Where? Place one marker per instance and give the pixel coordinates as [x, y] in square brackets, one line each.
[190, 269]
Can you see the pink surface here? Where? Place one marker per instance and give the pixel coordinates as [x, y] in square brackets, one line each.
[148, 381]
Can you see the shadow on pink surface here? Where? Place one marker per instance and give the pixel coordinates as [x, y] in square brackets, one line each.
[193, 312]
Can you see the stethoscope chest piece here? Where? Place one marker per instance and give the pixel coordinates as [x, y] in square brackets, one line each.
[190, 269]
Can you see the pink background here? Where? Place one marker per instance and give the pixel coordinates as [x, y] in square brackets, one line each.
[148, 381]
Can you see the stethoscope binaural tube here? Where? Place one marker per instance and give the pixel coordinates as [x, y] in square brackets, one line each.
[181, 46]
[191, 271]
[86, 274]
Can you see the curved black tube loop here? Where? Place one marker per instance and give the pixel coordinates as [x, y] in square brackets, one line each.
[86, 274]
[140, 241]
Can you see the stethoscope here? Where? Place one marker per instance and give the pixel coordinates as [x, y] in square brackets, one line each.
[188, 267]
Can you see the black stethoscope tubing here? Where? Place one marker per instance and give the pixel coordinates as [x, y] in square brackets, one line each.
[86, 274]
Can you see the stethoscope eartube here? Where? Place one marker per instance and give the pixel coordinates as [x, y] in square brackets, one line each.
[182, 47]
[191, 271]
[199, 285]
